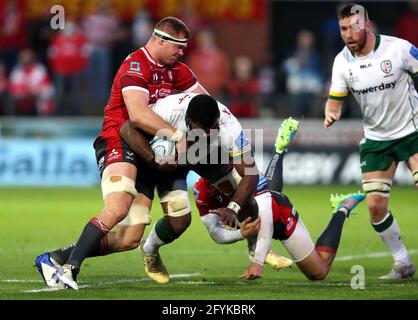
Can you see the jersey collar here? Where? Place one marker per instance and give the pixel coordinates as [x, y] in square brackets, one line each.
[376, 45]
[377, 42]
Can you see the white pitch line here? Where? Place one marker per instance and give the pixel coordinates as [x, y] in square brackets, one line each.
[106, 283]
[372, 255]
[21, 281]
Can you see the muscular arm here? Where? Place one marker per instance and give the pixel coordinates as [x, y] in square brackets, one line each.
[332, 111]
[136, 141]
[141, 116]
[247, 169]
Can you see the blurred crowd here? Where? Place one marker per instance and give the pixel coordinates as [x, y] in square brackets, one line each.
[69, 72]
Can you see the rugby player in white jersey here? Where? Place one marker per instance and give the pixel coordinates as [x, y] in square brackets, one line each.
[221, 154]
[378, 70]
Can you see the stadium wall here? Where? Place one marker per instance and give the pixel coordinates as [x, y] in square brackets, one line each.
[59, 152]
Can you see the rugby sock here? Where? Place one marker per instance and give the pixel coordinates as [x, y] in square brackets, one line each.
[60, 256]
[89, 241]
[274, 172]
[329, 240]
[159, 235]
[388, 231]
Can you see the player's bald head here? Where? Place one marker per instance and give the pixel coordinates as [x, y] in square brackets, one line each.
[203, 110]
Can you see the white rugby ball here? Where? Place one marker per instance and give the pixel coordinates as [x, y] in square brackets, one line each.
[162, 147]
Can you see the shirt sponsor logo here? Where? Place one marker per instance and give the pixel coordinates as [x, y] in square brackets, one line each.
[381, 87]
[386, 66]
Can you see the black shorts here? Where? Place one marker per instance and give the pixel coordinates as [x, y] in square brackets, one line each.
[285, 217]
[111, 150]
[148, 179]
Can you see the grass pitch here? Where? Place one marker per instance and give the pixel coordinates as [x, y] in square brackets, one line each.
[36, 220]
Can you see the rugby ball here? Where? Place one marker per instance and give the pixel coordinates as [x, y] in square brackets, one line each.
[162, 147]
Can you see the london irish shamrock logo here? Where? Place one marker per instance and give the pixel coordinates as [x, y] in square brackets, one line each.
[386, 66]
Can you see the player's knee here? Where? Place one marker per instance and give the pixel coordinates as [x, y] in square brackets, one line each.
[318, 275]
[176, 203]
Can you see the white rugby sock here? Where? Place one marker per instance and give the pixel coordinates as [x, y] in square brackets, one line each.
[388, 230]
[153, 242]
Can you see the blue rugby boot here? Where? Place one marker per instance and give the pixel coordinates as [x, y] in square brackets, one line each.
[346, 201]
[47, 268]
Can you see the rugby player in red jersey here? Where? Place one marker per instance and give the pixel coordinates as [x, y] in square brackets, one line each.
[146, 75]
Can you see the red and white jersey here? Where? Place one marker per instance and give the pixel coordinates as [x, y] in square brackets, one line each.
[285, 218]
[141, 72]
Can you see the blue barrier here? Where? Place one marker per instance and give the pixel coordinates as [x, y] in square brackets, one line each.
[53, 162]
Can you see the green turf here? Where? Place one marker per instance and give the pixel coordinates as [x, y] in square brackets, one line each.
[36, 220]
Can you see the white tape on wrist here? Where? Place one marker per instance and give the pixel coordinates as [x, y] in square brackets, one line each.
[234, 206]
[177, 136]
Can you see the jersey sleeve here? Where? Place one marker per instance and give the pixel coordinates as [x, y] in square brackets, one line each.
[134, 76]
[409, 58]
[338, 90]
[184, 78]
[233, 137]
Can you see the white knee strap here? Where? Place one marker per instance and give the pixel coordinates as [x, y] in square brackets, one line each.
[178, 203]
[137, 214]
[377, 186]
[118, 184]
[415, 175]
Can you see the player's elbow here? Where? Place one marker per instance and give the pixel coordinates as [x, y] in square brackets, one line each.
[124, 130]
[138, 122]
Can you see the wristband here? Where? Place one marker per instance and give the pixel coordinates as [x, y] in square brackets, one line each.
[234, 206]
[177, 136]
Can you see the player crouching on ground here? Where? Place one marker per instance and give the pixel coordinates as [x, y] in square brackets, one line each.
[283, 223]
